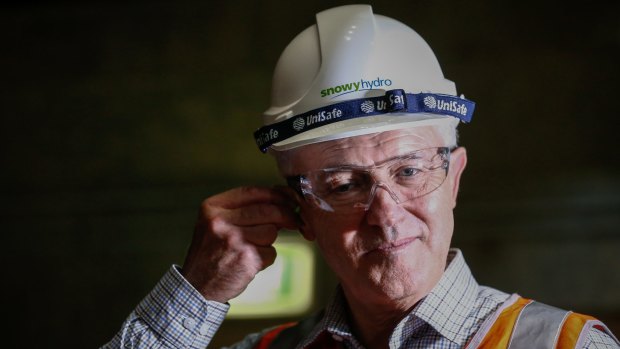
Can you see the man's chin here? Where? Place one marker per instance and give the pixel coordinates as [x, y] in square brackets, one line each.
[395, 283]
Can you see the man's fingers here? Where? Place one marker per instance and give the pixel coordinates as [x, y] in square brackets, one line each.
[243, 196]
[267, 255]
[288, 192]
[234, 238]
[261, 235]
[259, 214]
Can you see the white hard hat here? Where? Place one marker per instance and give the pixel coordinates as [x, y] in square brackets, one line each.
[355, 73]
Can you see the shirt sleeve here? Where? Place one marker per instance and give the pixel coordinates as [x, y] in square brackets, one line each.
[598, 339]
[173, 315]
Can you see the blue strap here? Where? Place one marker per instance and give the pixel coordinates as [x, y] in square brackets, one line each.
[394, 101]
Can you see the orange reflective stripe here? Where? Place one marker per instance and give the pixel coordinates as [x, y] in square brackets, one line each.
[268, 337]
[499, 334]
[571, 330]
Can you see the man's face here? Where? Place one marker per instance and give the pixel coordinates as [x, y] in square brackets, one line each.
[391, 252]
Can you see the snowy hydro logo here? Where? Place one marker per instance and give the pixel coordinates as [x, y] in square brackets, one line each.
[355, 86]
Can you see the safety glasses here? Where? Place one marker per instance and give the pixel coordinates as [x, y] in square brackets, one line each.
[349, 188]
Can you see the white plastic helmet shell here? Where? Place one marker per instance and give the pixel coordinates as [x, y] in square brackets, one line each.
[351, 53]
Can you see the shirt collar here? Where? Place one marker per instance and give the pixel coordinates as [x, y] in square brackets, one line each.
[334, 321]
[446, 308]
[449, 305]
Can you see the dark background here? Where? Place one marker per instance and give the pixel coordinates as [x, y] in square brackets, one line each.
[119, 117]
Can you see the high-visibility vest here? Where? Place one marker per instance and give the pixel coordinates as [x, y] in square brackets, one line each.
[519, 323]
[522, 323]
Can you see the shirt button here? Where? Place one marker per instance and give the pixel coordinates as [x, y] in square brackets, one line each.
[337, 338]
[189, 323]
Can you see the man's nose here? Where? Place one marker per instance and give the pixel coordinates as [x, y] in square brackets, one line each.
[383, 206]
[386, 188]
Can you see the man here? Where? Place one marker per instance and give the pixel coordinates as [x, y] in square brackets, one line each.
[363, 127]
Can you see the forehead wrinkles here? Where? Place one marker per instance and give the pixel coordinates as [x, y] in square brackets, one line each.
[371, 149]
[363, 150]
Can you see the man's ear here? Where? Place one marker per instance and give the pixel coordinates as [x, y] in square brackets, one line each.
[302, 209]
[305, 228]
[306, 233]
[458, 161]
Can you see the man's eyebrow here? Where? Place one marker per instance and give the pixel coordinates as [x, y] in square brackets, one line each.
[340, 164]
[416, 154]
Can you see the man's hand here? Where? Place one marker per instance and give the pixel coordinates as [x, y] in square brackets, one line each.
[233, 239]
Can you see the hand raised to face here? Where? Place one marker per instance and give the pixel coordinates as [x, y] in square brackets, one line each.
[233, 239]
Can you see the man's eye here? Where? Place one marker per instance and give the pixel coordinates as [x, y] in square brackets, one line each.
[408, 172]
[343, 188]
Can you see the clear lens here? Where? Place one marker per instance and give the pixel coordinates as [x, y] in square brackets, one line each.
[405, 177]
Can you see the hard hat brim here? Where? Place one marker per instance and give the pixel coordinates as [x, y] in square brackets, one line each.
[364, 126]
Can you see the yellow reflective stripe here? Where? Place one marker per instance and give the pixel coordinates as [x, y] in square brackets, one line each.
[499, 334]
[572, 329]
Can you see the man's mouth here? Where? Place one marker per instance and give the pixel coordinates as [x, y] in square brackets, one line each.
[394, 246]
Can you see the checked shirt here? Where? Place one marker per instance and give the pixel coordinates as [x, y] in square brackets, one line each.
[175, 315]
